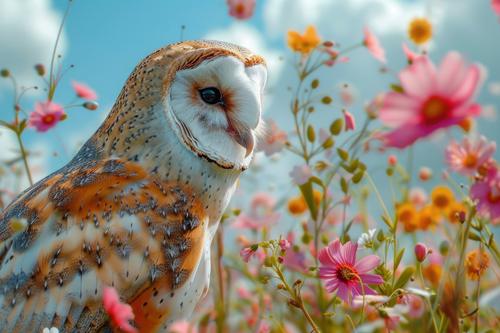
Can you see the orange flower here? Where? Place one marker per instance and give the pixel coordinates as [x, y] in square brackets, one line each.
[420, 30]
[442, 198]
[297, 205]
[456, 212]
[433, 272]
[407, 214]
[303, 43]
[427, 217]
[476, 263]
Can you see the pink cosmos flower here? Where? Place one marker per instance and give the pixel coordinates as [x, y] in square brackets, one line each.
[469, 155]
[350, 122]
[119, 313]
[432, 99]
[372, 43]
[241, 9]
[487, 194]
[84, 91]
[300, 174]
[495, 5]
[284, 244]
[342, 273]
[274, 140]
[45, 116]
[294, 258]
[261, 213]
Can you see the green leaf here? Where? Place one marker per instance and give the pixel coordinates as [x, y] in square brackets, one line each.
[343, 154]
[404, 278]
[7, 125]
[344, 185]
[307, 192]
[357, 177]
[397, 88]
[398, 258]
[315, 83]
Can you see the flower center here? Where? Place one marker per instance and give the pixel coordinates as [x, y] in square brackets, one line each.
[441, 201]
[470, 160]
[240, 9]
[494, 195]
[346, 273]
[48, 119]
[435, 109]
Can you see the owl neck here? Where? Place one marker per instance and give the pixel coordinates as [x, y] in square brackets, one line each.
[150, 142]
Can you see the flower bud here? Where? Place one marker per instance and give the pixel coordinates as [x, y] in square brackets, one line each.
[425, 174]
[91, 105]
[40, 69]
[4, 72]
[444, 248]
[421, 252]
[392, 160]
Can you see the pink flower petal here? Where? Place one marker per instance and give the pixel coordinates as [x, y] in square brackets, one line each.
[367, 263]
[84, 91]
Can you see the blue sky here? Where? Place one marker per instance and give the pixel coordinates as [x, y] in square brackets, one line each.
[106, 39]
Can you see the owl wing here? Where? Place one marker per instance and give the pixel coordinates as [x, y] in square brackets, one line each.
[87, 226]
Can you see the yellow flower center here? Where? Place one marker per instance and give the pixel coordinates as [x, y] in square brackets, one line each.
[420, 30]
[435, 109]
[346, 273]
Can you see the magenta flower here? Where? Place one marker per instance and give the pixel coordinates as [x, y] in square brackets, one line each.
[372, 43]
[284, 244]
[241, 9]
[432, 99]
[469, 155]
[247, 253]
[84, 91]
[342, 273]
[421, 252]
[495, 5]
[119, 313]
[45, 116]
[487, 194]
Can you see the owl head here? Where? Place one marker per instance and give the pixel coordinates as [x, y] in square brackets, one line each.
[208, 93]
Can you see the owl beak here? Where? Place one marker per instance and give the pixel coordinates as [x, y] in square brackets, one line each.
[243, 136]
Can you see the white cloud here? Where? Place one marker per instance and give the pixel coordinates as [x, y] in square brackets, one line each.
[28, 30]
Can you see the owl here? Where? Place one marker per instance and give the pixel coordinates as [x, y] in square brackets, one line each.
[138, 206]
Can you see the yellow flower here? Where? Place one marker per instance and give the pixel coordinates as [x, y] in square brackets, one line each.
[303, 43]
[456, 211]
[476, 263]
[407, 215]
[420, 30]
[428, 217]
[442, 198]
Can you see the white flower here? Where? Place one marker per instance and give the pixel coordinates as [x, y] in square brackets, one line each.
[366, 239]
[369, 299]
[301, 174]
[419, 292]
[50, 330]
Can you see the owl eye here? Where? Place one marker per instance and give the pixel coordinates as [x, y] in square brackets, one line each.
[211, 95]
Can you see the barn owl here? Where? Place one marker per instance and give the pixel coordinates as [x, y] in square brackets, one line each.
[138, 206]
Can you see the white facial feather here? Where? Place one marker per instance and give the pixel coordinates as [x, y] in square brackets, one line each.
[241, 86]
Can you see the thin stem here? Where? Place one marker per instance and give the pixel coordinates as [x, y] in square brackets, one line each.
[24, 157]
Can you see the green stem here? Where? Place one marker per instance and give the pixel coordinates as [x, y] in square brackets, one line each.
[433, 315]
[24, 157]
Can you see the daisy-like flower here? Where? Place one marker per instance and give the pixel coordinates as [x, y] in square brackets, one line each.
[241, 9]
[486, 192]
[84, 91]
[45, 116]
[420, 30]
[344, 274]
[476, 263]
[372, 43]
[274, 140]
[50, 330]
[365, 241]
[442, 198]
[119, 313]
[432, 99]
[469, 155]
[304, 43]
